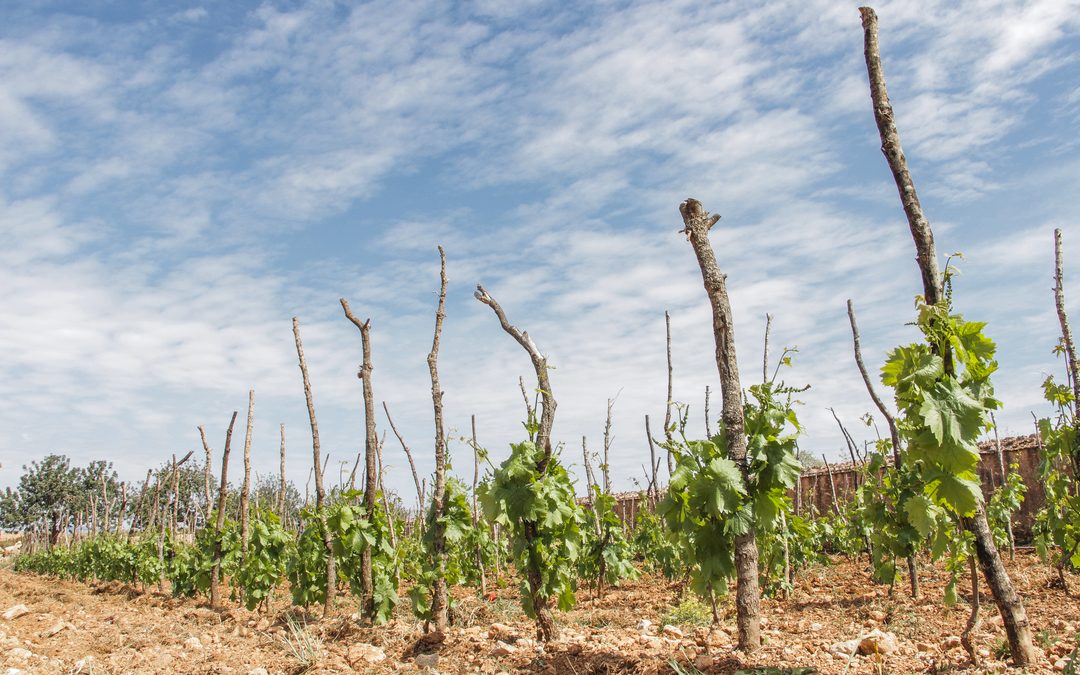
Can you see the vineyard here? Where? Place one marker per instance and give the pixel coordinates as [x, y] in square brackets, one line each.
[904, 559]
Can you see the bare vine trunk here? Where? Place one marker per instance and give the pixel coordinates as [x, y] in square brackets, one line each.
[439, 599]
[475, 512]
[219, 524]
[408, 456]
[320, 493]
[371, 440]
[209, 504]
[245, 489]
[281, 485]
[697, 223]
[1009, 603]
[546, 629]
[1067, 338]
[670, 394]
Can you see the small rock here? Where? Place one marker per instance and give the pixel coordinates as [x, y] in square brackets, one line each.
[19, 654]
[502, 649]
[258, 671]
[877, 642]
[427, 660]
[816, 627]
[263, 624]
[14, 671]
[84, 665]
[193, 643]
[1060, 664]
[650, 641]
[363, 652]
[846, 648]
[924, 647]
[877, 615]
[644, 626]
[703, 662]
[500, 631]
[15, 612]
[951, 642]
[673, 631]
[55, 628]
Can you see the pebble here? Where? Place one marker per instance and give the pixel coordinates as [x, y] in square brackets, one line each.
[426, 660]
[193, 643]
[673, 631]
[502, 649]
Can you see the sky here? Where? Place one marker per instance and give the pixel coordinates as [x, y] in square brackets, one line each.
[177, 181]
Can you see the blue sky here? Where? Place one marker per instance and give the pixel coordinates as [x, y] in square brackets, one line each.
[177, 181]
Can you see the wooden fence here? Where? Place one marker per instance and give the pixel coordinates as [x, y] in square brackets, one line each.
[817, 492]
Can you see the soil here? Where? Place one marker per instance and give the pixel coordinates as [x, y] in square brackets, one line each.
[72, 627]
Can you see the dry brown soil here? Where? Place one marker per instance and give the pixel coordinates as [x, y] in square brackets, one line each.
[117, 629]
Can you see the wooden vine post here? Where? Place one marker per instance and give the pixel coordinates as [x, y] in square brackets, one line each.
[1009, 603]
[209, 503]
[408, 456]
[894, 435]
[475, 512]
[439, 599]
[219, 524]
[281, 484]
[1067, 339]
[320, 493]
[545, 622]
[697, 223]
[371, 442]
[245, 489]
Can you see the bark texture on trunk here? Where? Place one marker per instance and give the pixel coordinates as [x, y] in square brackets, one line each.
[545, 623]
[320, 493]
[1066, 336]
[371, 441]
[219, 524]
[281, 485]
[670, 394]
[439, 599]
[1008, 600]
[206, 474]
[697, 223]
[245, 488]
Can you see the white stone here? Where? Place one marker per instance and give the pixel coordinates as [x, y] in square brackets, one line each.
[19, 654]
[502, 649]
[846, 648]
[193, 643]
[15, 612]
[877, 642]
[362, 651]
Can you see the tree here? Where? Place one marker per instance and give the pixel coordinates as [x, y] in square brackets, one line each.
[49, 491]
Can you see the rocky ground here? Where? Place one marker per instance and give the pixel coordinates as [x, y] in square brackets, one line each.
[837, 621]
